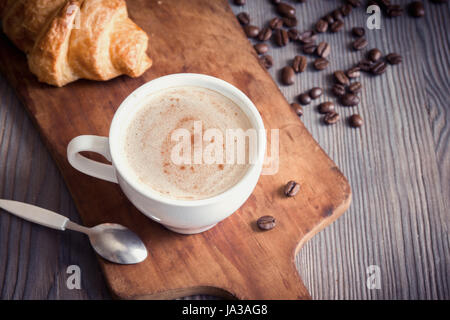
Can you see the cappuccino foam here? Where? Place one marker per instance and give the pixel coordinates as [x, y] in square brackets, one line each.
[149, 142]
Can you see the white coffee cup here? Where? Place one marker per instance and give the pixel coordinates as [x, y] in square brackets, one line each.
[182, 216]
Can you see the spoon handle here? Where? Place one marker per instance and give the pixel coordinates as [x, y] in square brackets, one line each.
[35, 214]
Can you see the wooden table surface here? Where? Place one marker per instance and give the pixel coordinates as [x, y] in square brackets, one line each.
[398, 165]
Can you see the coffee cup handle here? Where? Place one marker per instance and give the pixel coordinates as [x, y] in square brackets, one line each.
[90, 167]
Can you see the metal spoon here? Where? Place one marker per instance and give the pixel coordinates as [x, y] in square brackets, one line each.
[112, 241]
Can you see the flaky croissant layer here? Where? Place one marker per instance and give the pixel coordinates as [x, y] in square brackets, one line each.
[66, 40]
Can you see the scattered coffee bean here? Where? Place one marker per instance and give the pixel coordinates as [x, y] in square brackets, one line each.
[239, 2]
[326, 107]
[416, 9]
[291, 189]
[266, 61]
[353, 72]
[315, 92]
[394, 10]
[374, 54]
[337, 14]
[379, 67]
[281, 37]
[304, 99]
[365, 65]
[243, 18]
[265, 34]
[297, 108]
[349, 100]
[355, 87]
[275, 23]
[321, 26]
[354, 3]
[309, 48]
[275, 1]
[338, 90]
[320, 63]
[290, 22]
[329, 18]
[360, 43]
[358, 31]
[346, 9]
[307, 37]
[261, 48]
[285, 10]
[337, 25]
[340, 77]
[331, 118]
[293, 34]
[251, 31]
[287, 75]
[394, 58]
[355, 121]
[299, 64]
[323, 49]
[266, 223]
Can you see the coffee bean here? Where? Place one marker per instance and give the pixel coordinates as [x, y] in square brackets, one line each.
[355, 121]
[346, 9]
[320, 63]
[266, 223]
[360, 43]
[323, 49]
[365, 65]
[266, 61]
[321, 26]
[353, 72]
[307, 37]
[329, 18]
[275, 23]
[331, 118]
[315, 92]
[281, 37]
[379, 67]
[340, 77]
[338, 90]
[239, 2]
[337, 25]
[355, 87]
[291, 189]
[297, 108]
[251, 31]
[349, 100]
[337, 14]
[290, 22]
[358, 31]
[394, 10]
[309, 48]
[299, 64]
[304, 99]
[394, 58]
[285, 10]
[287, 75]
[374, 54]
[326, 107]
[416, 9]
[243, 18]
[354, 3]
[275, 1]
[265, 34]
[293, 34]
[261, 48]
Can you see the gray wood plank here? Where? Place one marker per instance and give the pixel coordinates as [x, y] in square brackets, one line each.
[397, 165]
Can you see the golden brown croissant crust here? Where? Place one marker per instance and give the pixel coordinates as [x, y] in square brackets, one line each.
[66, 40]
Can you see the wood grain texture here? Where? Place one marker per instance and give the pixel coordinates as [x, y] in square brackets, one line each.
[233, 259]
[399, 216]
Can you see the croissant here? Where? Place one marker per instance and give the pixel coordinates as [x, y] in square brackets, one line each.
[66, 40]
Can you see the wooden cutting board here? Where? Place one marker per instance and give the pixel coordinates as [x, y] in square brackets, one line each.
[234, 259]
